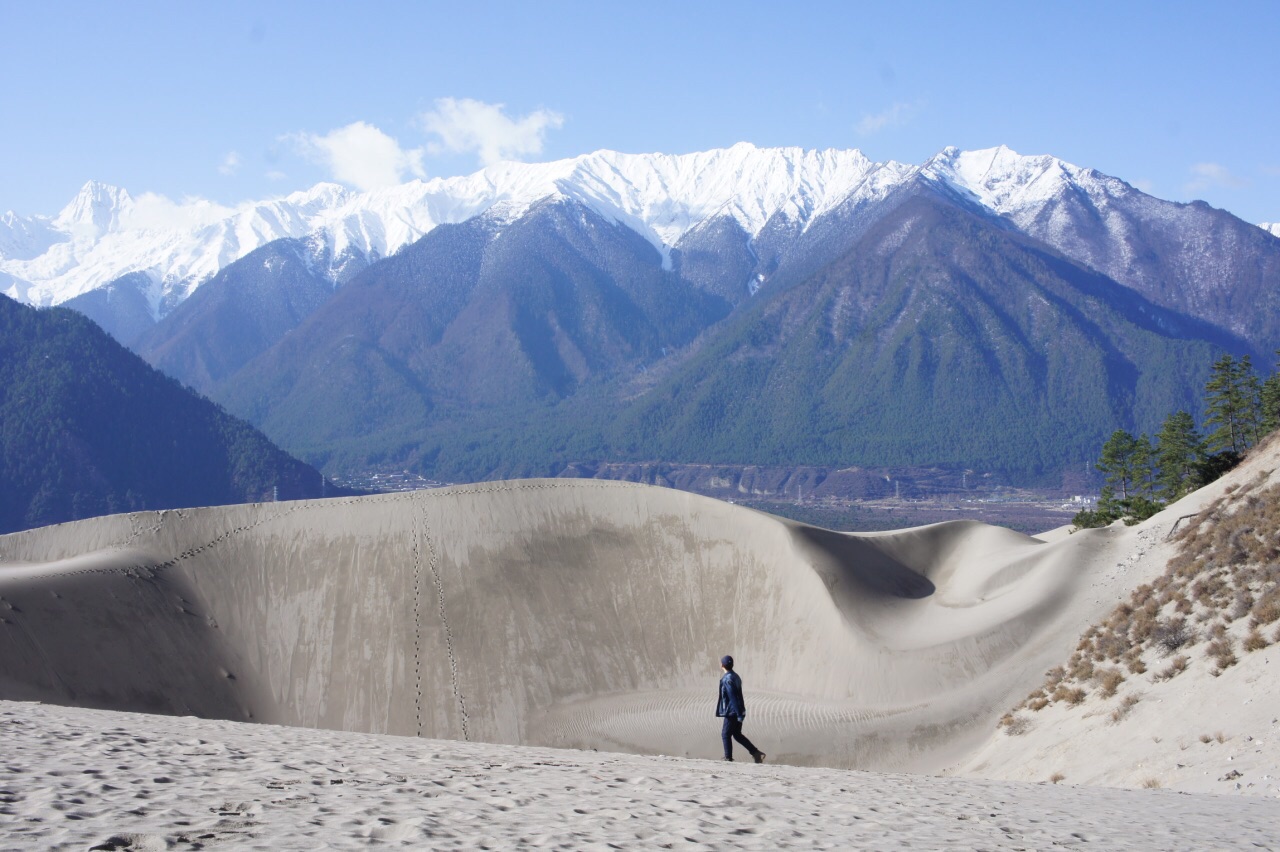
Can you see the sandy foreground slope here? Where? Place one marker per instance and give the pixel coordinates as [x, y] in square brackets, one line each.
[77, 779]
[591, 615]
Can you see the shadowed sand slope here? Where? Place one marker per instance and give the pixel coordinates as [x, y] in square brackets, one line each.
[568, 613]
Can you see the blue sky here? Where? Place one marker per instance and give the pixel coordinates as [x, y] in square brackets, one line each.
[231, 101]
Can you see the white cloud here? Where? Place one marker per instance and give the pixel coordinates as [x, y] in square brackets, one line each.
[469, 125]
[361, 155]
[152, 211]
[894, 115]
[275, 174]
[230, 164]
[1210, 175]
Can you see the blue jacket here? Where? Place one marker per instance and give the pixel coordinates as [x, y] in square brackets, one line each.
[731, 701]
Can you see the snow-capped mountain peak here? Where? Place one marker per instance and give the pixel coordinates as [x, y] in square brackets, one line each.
[1270, 227]
[96, 209]
[104, 233]
[1005, 181]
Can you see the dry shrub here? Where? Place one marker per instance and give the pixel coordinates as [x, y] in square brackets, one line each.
[1133, 660]
[1068, 694]
[1206, 589]
[1038, 704]
[1125, 708]
[1266, 609]
[1219, 647]
[1144, 622]
[1152, 784]
[1254, 641]
[1113, 646]
[1217, 633]
[1109, 680]
[1242, 605]
[1220, 737]
[1082, 670]
[1056, 777]
[1184, 605]
[1205, 738]
[1183, 564]
[1014, 725]
[1176, 666]
[1224, 662]
[1172, 633]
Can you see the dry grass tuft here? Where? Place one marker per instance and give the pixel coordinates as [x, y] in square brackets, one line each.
[1152, 784]
[1109, 680]
[1242, 605]
[1126, 707]
[1254, 641]
[1081, 669]
[1267, 608]
[1176, 666]
[1224, 663]
[1068, 694]
[1014, 725]
[1056, 777]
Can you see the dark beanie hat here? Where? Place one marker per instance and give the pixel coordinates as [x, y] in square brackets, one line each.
[726, 661]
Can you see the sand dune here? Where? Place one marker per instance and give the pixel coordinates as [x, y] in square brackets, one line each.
[581, 614]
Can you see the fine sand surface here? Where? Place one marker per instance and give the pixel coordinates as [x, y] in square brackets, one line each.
[83, 779]
[575, 614]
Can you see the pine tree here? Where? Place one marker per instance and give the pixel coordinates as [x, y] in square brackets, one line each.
[1117, 466]
[1233, 405]
[1250, 401]
[1269, 398]
[1180, 455]
[1145, 474]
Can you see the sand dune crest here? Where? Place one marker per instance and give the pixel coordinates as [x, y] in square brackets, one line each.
[568, 613]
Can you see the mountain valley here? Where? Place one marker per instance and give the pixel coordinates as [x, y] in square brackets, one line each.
[983, 311]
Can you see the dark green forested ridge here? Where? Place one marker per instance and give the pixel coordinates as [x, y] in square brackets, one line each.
[88, 428]
[1144, 475]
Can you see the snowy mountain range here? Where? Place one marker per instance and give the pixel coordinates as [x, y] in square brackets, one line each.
[105, 233]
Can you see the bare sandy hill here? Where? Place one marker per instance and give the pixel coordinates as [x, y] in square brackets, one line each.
[579, 614]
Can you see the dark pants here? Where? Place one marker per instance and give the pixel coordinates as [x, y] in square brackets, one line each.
[731, 731]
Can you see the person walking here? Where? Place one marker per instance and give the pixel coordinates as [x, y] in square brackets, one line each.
[734, 710]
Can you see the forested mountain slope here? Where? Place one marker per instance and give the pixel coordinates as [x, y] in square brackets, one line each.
[87, 428]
